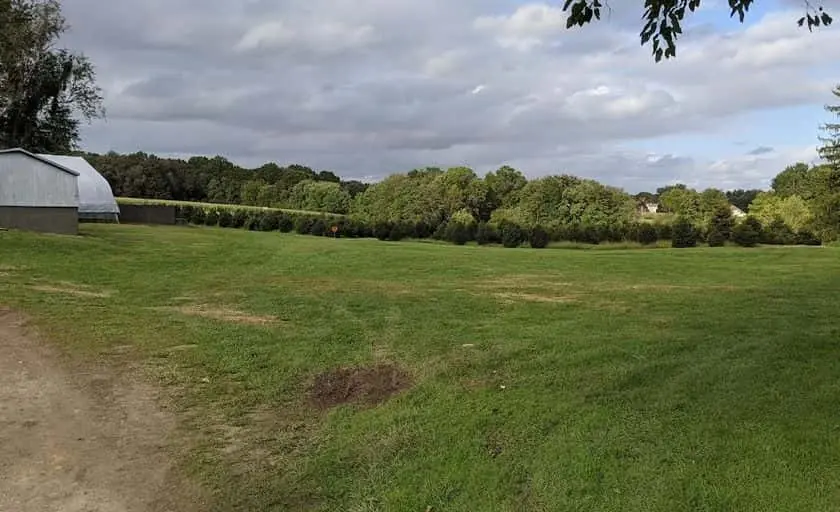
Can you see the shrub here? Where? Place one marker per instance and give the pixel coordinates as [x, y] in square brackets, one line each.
[211, 218]
[352, 228]
[382, 230]
[538, 238]
[512, 234]
[252, 221]
[646, 234]
[664, 231]
[270, 221]
[285, 223]
[612, 232]
[303, 225]
[807, 238]
[720, 224]
[318, 227]
[184, 212]
[682, 234]
[747, 233]
[778, 233]
[398, 232]
[237, 220]
[440, 232]
[716, 239]
[485, 234]
[197, 216]
[458, 233]
[584, 234]
[363, 230]
[421, 230]
[225, 219]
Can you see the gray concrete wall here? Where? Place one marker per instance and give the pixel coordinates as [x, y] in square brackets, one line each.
[147, 214]
[61, 220]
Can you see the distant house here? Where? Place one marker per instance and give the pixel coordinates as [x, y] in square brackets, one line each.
[737, 212]
[646, 207]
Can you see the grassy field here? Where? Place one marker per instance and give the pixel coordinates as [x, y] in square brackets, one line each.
[486, 379]
[219, 206]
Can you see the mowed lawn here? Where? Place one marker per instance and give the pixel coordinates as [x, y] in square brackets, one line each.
[602, 380]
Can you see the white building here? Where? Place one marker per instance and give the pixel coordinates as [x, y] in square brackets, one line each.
[37, 194]
[96, 198]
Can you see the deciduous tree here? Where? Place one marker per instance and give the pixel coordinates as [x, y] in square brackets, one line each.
[830, 149]
[663, 19]
[44, 90]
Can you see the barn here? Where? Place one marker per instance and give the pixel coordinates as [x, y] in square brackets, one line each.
[37, 194]
[96, 198]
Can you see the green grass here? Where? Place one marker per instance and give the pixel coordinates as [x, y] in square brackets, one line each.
[661, 380]
[219, 206]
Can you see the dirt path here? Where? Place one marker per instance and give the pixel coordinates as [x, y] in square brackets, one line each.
[79, 441]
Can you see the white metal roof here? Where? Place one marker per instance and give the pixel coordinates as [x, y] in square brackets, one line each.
[42, 158]
[95, 194]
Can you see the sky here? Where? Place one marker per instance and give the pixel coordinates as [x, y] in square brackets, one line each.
[367, 88]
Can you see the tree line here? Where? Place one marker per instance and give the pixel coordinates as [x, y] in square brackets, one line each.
[503, 207]
[45, 90]
[218, 180]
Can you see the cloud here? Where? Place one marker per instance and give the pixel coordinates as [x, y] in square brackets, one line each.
[760, 150]
[526, 28]
[326, 38]
[370, 87]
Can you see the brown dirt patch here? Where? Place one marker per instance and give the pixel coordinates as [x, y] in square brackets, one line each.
[223, 313]
[81, 438]
[524, 281]
[674, 287]
[320, 285]
[72, 289]
[533, 297]
[368, 385]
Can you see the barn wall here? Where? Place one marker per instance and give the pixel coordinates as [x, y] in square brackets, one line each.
[62, 220]
[26, 181]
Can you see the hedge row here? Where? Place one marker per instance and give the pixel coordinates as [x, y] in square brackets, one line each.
[506, 234]
[748, 233]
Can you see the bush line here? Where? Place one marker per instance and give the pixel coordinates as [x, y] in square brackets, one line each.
[681, 233]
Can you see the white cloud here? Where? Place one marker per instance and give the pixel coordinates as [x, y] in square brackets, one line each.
[526, 28]
[329, 37]
[369, 87]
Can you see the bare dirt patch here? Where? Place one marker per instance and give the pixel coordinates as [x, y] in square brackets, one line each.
[223, 313]
[533, 297]
[72, 289]
[517, 281]
[81, 439]
[367, 385]
[322, 285]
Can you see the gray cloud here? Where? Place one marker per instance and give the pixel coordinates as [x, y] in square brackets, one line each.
[369, 87]
[760, 150]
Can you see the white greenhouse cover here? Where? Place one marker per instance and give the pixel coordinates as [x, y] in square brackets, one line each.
[95, 194]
